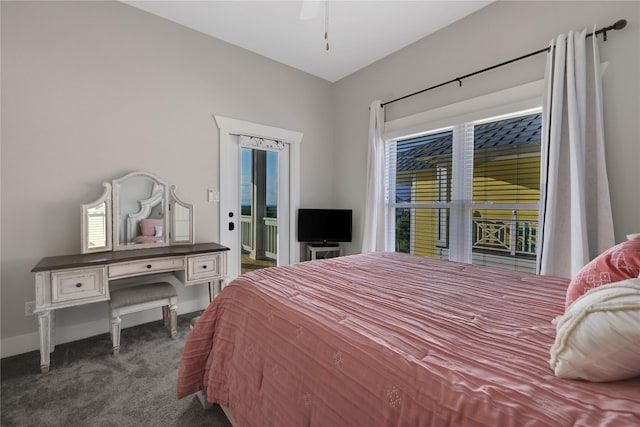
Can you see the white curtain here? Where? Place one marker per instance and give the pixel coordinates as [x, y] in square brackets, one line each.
[575, 213]
[374, 206]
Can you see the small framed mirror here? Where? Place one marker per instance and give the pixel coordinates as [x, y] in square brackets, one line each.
[96, 223]
[140, 212]
[181, 220]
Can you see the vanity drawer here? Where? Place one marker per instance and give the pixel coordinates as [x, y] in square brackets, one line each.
[203, 267]
[148, 266]
[78, 284]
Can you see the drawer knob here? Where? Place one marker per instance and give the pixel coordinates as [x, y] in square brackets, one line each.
[204, 266]
[78, 285]
[148, 265]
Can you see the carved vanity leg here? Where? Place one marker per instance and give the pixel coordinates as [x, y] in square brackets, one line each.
[173, 320]
[212, 290]
[115, 334]
[52, 332]
[44, 326]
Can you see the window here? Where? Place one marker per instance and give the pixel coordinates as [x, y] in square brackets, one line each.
[468, 192]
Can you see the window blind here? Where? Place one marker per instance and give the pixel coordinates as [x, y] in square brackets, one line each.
[506, 190]
[467, 193]
[421, 190]
[506, 160]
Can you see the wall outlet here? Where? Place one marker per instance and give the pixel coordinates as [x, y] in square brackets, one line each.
[29, 306]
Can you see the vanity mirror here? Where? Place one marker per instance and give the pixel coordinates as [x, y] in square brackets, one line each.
[181, 219]
[96, 223]
[136, 211]
[140, 208]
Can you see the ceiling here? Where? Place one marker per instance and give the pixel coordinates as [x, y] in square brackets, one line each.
[360, 32]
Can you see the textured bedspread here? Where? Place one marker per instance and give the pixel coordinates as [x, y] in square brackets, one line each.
[388, 339]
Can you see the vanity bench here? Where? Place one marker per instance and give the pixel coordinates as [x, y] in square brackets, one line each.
[143, 297]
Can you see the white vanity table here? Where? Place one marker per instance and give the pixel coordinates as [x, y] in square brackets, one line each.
[72, 280]
[152, 234]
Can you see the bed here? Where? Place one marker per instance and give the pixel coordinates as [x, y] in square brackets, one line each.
[385, 339]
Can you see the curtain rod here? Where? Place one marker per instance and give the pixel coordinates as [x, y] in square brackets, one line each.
[620, 24]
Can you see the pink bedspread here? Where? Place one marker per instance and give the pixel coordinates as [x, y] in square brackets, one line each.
[388, 339]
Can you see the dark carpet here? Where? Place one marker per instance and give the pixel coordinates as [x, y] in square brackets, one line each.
[87, 386]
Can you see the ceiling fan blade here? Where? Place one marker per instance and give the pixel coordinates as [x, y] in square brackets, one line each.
[309, 9]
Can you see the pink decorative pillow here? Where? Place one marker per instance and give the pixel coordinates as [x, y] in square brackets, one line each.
[148, 226]
[619, 263]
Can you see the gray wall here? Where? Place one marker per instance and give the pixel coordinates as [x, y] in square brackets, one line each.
[496, 33]
[94, 90]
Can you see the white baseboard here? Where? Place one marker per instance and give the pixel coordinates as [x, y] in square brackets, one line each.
[19, 344]
[25, 343]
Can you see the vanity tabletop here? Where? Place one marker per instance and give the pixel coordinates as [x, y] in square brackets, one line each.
[110, 257]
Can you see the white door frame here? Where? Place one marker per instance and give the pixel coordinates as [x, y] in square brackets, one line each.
[229, 188]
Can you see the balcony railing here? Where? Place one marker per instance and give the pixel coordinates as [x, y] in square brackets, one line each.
[270, 235]
[514, 236]
[246, 235]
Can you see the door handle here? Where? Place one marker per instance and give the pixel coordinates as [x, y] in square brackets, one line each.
[232, 226]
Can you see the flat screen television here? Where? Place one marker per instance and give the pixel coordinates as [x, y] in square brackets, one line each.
[324, 226]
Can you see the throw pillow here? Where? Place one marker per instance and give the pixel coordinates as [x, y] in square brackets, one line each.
[598, 338]
[148, 226]
[613, 265]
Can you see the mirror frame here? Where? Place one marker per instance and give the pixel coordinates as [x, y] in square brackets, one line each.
[106, 199]
[119, 222]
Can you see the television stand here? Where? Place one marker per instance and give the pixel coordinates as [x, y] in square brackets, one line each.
[328, 250]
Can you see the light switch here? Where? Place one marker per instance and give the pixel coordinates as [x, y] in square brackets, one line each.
[212, 195]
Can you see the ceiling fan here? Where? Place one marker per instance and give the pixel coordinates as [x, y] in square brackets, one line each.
[309, 10]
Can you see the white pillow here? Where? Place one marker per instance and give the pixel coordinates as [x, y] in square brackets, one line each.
[598, 338]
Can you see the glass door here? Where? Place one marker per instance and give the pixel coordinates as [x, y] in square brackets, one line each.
[259, 208]
[235, 135]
